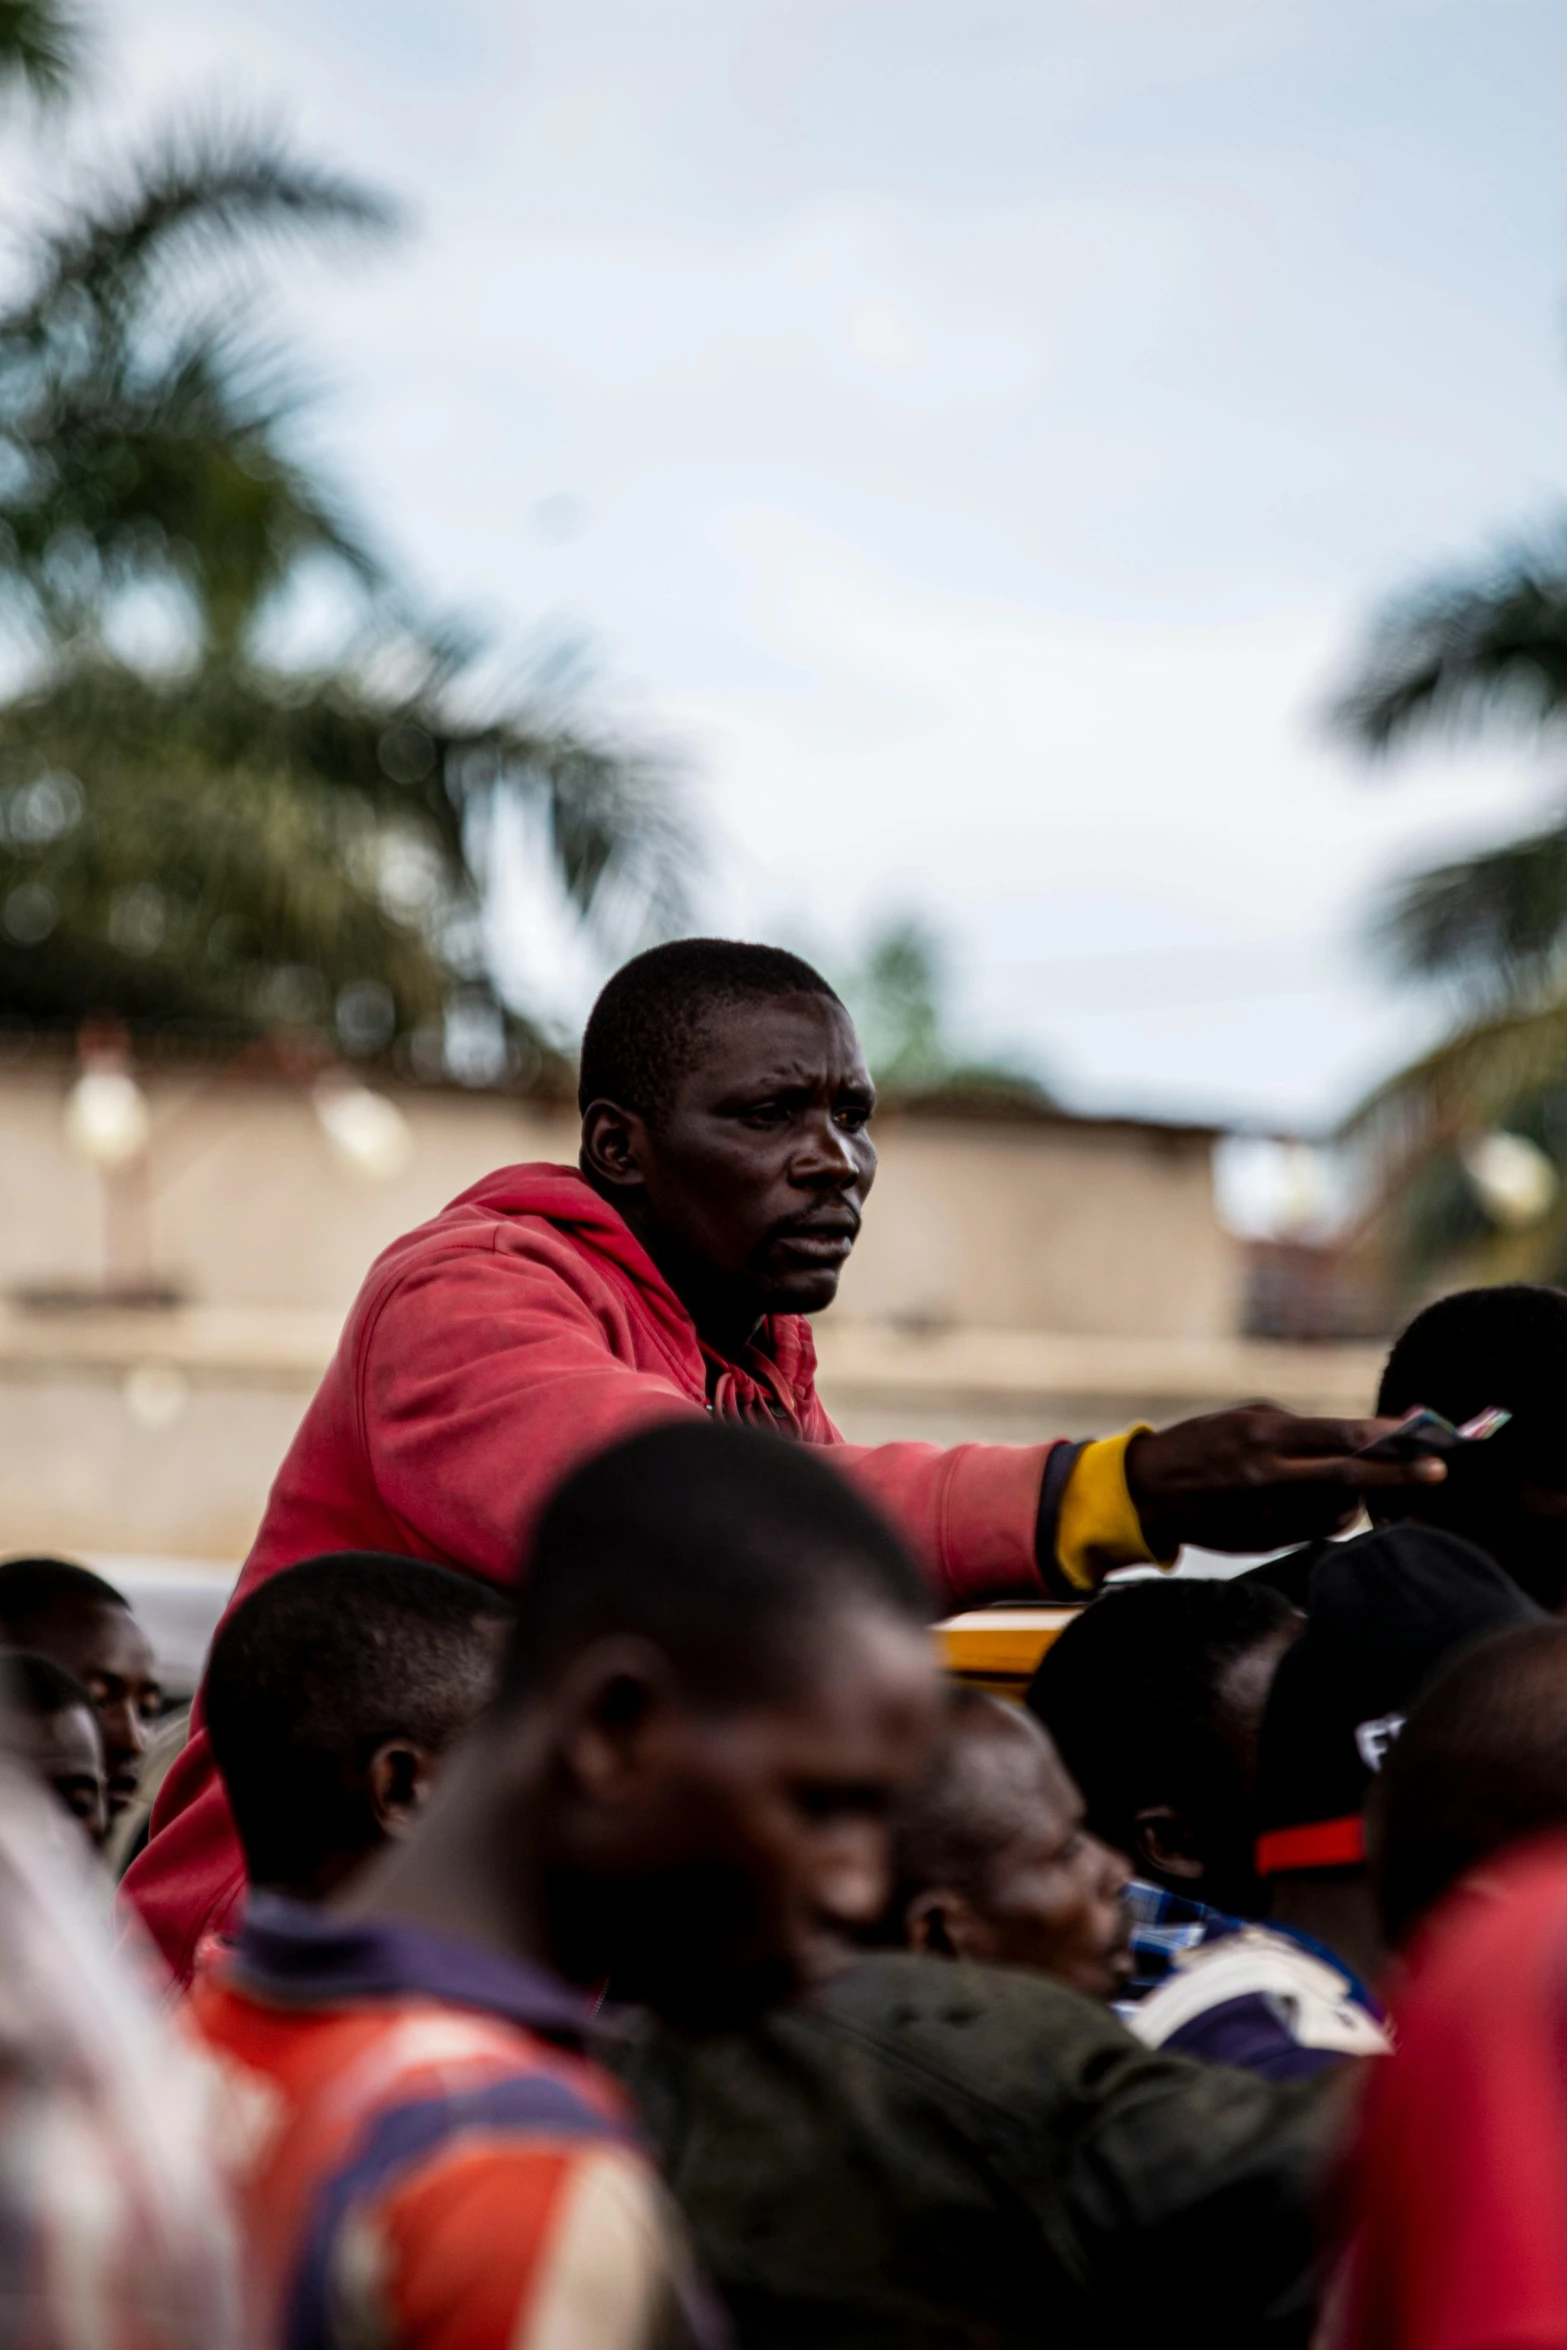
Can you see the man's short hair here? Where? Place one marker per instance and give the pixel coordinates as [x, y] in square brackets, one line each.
[32, 1588]
[1506, 1345]
[646, 1030]
[320, 1666]
[951, 1828]
[35, 1686]
[731, 1550]
[1481, 1762]
[1131, 1693]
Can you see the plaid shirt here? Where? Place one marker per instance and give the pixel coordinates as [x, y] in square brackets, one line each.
[1165, 1924]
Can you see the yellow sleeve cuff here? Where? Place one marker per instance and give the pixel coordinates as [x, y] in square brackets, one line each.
[1098, 1527]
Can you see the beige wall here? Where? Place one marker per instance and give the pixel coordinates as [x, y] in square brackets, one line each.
[1014, 1280]
[1105, 1229]
[247, 1203]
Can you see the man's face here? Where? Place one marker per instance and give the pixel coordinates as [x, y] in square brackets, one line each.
[758, 1171]
[752, 1833]
[63, 1750]
[1050, 1897]
[107, 1650]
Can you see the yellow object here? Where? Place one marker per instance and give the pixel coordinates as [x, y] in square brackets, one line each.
[1098, 1528]
[997, 1648]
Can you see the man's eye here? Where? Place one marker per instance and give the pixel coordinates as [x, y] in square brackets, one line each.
[821, 1805]
[766, 1114]
[854, 1115]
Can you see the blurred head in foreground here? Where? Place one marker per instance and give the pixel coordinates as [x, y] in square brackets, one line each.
[1384, 1614]
[720, 1684]
[1482, 1763]
[1154, 1698]
[51, 1727]
[67, 1613]
[1505, 1346]
[992, 1862]
[332, 1692]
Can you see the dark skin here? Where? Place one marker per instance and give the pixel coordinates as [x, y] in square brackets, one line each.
[747, 1191]
[63, 1750]
[690, 1857]
[108, 1652]
[1043, 1893]
[385, 1799]
[1207, 1851]
[1337, 1907]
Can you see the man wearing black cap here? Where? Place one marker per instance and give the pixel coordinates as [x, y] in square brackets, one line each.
[1383, 1612]
[1476, 1351]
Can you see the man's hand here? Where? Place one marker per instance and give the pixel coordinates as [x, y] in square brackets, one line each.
[1258, 1477]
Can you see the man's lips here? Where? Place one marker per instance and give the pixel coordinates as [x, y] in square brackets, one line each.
[822, 1244]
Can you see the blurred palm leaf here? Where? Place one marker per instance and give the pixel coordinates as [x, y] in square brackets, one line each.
[220, 828]
[142, 438]
[224, 843]
[1490, 927]
[40, 46]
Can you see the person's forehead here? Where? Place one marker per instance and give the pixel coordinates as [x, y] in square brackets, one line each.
[775, 1040]
[66, 1738]
[862, 1673]
[102, 1637]
[1021, 1780]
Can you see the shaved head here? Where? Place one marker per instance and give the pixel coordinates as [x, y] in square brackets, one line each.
[991, 1860]
[1481, 1762]
[996, 1770]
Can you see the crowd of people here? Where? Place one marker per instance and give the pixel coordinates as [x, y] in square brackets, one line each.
[578, 1914]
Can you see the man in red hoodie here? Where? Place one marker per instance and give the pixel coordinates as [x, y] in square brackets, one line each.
[724, 1167]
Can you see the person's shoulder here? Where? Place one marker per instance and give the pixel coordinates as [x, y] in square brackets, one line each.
[986, 2029]
[1260, 1999]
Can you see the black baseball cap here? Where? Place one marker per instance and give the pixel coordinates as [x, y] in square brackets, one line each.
[1383, 1611]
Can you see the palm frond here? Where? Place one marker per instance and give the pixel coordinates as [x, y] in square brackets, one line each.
[41, 46]
[1460, 651]
[190, 197]
[1495, 922]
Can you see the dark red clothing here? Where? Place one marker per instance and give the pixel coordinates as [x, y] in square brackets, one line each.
[1460, 2176]
[488, 1352]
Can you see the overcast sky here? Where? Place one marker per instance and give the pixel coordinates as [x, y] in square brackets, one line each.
[971, 432]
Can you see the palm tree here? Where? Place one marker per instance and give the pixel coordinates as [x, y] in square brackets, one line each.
[1490, 929]
[210, 840]
[40, 46]
[899, 1000]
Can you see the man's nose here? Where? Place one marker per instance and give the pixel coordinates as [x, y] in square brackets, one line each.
[1115, 1870]
[125, 1734]
[826, 1157]
[853, 1877]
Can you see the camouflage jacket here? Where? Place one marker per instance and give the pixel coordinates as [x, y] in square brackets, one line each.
[932, 2155]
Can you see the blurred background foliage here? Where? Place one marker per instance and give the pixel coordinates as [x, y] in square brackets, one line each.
[197, 835]
[900, 996]
[1466, 1146]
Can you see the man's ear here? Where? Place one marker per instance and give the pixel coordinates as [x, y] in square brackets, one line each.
[614, 1144]
[1165, 1843]
[940, 1923]
[614, 1713]
[398, 1783]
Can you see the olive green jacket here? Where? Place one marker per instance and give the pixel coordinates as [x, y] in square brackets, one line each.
[941, 2155]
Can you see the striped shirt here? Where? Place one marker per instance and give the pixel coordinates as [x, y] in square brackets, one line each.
[423, 2156]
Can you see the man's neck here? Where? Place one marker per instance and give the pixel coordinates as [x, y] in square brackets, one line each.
[1338, 1912]
[723, 1310]
[459, 1872]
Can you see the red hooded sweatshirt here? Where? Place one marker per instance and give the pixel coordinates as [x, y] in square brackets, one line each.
[1458, 2184]
[488, 1352]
